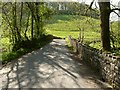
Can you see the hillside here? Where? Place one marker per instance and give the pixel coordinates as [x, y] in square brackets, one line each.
[64, 25]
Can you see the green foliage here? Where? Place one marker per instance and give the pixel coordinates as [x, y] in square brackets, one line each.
[8, 56]
[64, 25]
[115, 34]
[22, 22]
[22, 25]
[70, 47]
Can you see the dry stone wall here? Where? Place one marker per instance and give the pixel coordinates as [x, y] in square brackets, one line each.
[106, 64]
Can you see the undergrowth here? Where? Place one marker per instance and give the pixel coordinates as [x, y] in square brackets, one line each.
[9, 56]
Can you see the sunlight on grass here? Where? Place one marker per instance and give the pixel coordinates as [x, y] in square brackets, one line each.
[65, 25]
[63, 34]
[5, 42]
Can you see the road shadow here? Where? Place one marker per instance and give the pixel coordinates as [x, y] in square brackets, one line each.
[49, 67]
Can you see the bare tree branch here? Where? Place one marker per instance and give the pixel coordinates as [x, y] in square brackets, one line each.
[91, 4]
[90, 7]
[117, 13]
[114, 9]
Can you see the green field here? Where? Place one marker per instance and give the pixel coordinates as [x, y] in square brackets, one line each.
[65, 25]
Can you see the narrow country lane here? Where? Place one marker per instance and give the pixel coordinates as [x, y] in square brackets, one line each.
[49, 67]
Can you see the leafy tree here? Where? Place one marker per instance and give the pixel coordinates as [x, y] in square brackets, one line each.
[73, 8]
[105, 11]
[24, 21]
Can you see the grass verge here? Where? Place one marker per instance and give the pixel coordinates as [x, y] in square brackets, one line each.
[9, 56]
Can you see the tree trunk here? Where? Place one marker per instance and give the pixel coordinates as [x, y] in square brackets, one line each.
[105, 32]
[21, 15]
[38, 18]
[16, 29]
[32, 22]
[27, 24]
[14, 22]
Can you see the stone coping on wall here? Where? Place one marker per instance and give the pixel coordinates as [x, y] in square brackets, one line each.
[110, 55]
[107, 63]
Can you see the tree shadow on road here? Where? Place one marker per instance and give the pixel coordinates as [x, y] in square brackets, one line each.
[49, 67]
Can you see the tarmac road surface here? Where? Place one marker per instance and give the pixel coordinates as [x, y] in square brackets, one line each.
[49, 67]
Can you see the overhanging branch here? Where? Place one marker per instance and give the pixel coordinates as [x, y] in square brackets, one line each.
[90, 7]
[115, 9]
[91, 4]
[117, 13]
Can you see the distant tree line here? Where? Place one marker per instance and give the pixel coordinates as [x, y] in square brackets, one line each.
[73, 8]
